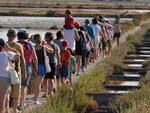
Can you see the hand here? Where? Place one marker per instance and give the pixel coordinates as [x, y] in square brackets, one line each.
[59, 65]
[24, 77]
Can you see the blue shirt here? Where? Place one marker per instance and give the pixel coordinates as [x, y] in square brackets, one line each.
[90, 30]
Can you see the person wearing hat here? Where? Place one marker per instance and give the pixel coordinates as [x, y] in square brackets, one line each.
[65, 61]
[6, 54]
[19, 66]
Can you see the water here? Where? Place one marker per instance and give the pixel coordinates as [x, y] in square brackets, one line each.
[38, 24]
[41, 22]
[3, 32]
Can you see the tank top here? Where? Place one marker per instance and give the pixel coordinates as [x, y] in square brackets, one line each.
[69, 24]
[40, 56]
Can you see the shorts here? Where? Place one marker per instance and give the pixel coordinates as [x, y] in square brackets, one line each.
[29, 73]
[15, 90]
[78, 52]
[104, 44]
[52, 73]
[109, 44]
[4, 84]
[88, 54]
[41, 70]
[117, 35]
[64, 71]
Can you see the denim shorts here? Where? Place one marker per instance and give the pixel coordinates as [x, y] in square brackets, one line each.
[5, 84]
[64, 71]
[29, 73]
[41, 70]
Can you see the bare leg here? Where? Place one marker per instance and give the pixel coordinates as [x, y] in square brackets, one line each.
[78, 62]
[37, 87]
[2, 102]
[118, 41]
[50, 87]
[45, 86]
[7, 105]
[15, 96]
[23, 95]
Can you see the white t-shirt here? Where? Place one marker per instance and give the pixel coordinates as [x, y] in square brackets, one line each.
[5, 63]
[110, 30]
[97, 29]
[117, 27]
[69, 35]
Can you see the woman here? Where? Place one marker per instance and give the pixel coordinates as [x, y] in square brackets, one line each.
[31, 63]
[54, 60]
[5, 59]
[40, 49]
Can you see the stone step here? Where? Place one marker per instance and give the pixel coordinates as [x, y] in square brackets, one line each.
[106, 97]
[135, 57]
[125, 77]
[134, 70]
[129, 65]
[126, 85]
[143, 49]
[142, 45]
[134, 61]
[139, 53]
[105, 109]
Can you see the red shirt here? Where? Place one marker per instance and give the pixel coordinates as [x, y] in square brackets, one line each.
[65, 57]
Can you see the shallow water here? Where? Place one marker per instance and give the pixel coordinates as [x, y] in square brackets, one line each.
[3, 32]
[41, 22]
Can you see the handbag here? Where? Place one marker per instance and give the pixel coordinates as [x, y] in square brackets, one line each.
[47, 66]
[14, 78]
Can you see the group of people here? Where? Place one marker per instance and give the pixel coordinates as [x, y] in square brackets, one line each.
[73, 49]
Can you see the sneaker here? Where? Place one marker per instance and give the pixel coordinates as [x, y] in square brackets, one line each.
[20, 108]
[78, 74]
[37, 102]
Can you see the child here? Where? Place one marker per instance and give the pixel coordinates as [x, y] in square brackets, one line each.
[72, 66]
[65, 61]
[69, 21]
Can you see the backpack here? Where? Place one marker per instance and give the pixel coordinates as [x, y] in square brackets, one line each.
[27, 48]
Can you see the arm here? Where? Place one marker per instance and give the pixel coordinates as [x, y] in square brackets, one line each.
[23, 64]
[77, 37]
[49, 49]
[58, 57]
[35, 60]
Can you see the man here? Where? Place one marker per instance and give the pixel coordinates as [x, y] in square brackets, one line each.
[19, 66]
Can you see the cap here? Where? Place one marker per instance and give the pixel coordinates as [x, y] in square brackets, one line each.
[64, 43]
[2, 42]
[11, 32]
[22, 31]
